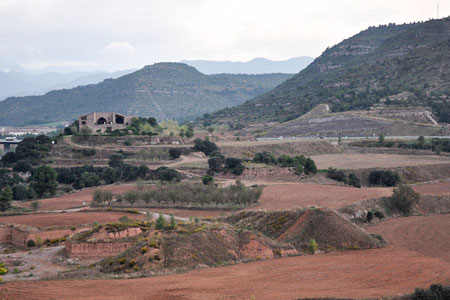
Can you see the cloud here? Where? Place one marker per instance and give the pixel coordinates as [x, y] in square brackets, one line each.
[121, 48]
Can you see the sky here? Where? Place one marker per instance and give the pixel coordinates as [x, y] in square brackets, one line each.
[110, 35]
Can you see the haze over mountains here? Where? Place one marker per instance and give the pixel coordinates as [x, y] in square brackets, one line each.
[22, 84]
[393, 65]
[258, 65]
[163, 90]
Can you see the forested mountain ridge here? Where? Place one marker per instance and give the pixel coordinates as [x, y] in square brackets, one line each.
[392, 65]
[163, 90]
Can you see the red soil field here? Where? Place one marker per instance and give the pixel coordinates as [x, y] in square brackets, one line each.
[428, 235]
[279, 197]
[76, 199]
[355, 274]
[67, 219]
[433, 189]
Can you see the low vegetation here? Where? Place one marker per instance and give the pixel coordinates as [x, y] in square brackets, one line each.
[341, 175]
[384, 178]
[434, 144]
[301, 163]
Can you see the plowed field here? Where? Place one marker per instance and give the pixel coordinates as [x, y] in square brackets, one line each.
[355, 274]
[66, 219]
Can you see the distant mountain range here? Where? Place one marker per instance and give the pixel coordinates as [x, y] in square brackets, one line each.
[163, 90]
[22, 84]
[255, 66]
[390, 65]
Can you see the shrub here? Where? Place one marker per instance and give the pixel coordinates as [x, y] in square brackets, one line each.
[369, 216]
[310, 166]
[31, 244]
[160, 222]
[264, 157]
[20, 192]
[434, 292]
[167, 174]
[205, 146]
[403, 199]
[354, 180]
[312, 246]
[128, 143]
[35, 205]
[109, 175]
[336, 174]
[207, 179]
[174, 153]
[384, 177]
[116, 161]
[218, 154]
[6, 197]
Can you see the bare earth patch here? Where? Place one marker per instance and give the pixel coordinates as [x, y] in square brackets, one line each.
[363, 161]
[352, 274]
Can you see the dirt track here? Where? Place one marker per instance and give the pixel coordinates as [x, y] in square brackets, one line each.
[66, 219]
[428, 235]
[76, 199]
[356, 274]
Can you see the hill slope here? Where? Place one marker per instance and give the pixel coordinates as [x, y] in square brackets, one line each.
[163, 90]
[393, 65]
[255, 66]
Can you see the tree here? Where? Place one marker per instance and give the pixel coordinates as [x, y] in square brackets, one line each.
[20, 192]
[116, 161]
[6, 197]
[152, 121]
[403, 199]
[167, 174]
[421, 139]
[109, 175]
[68, 131]
[43, 181]
[218, 154]
[310, 166]
[174, 153]
[189, 133]
[215, 164]
[381, 138]
[85, 131]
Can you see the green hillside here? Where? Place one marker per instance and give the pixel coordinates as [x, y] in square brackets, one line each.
[163, 90]
[392, 65]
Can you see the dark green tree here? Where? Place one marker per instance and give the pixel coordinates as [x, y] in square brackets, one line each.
[6, 197]
[43, 181]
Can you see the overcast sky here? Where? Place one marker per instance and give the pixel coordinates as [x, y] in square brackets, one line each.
[67, 35]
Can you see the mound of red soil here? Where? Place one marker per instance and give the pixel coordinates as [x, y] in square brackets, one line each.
[330, 230]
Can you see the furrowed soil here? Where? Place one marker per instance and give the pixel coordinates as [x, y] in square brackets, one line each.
[75, 199]
[67, 219]
[364, 161]
[287, 196]
[433, 189]
[351, 274]
[428, 235]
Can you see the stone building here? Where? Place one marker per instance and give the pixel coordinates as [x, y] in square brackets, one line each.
[104, 121]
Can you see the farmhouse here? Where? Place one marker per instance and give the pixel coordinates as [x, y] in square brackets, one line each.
[105, 121]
